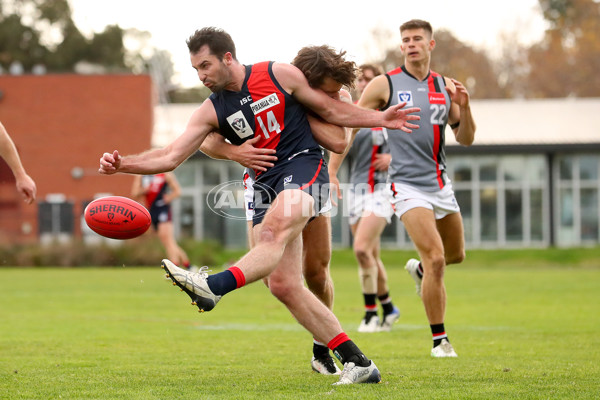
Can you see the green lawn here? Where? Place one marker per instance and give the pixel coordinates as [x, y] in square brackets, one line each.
[524, 324]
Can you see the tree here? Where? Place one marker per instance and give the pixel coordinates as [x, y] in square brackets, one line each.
[567, 61]
[455, 59]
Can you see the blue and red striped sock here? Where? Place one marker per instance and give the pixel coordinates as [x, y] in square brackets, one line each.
[226, 281]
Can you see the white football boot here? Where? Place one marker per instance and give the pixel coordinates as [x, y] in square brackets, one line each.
[412, 266]
[443, 349]
[194, 284]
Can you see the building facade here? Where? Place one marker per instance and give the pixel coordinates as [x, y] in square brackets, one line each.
[61, 125]
[532, 179]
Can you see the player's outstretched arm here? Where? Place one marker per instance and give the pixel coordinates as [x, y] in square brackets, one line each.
[337, 112]
[202, 122]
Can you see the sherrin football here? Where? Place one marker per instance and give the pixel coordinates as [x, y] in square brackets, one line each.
[117, 217]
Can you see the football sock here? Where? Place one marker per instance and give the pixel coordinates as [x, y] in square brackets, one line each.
[370, 306]
[439, 332]
[386, 303]
[346, 351]
[186, 265]
[320, 350]
[226, 281]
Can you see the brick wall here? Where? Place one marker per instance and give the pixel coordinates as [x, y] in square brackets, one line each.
[62, 122]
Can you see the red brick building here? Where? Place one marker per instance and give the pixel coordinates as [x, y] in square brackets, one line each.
[61, 124]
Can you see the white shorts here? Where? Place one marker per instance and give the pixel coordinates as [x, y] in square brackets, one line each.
[249, 198]
[248, 195]
[406, 197]
[377, 202]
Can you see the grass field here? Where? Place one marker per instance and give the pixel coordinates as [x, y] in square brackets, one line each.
[524, 323]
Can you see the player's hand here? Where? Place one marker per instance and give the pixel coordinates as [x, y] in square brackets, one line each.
[398, 117]
[382, 161]
[110, 163]
[334, 189]
[254, 157]
[26, 186]
[458, 94]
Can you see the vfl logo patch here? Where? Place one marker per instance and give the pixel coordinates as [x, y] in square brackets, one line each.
[250, 205]
[405, 96]
[287, 180]
[240, 126]
[437, 98]
[264, 104]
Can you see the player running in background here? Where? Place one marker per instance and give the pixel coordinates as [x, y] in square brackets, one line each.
[158, 192]
[421, 192]
[25, 185]
[328, 71]
[267, 99]
[369, 212]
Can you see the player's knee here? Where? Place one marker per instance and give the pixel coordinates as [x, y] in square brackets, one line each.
[282, 290]
[316, 276]
[362, 253]
[435, 265]
[455, 258]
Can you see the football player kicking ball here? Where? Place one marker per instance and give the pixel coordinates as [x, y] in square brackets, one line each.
[267, 100]
[328, 71]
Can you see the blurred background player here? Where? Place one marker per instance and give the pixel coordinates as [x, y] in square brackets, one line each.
[422, 194]
[157, 192]
[369, 212]
[25, 185]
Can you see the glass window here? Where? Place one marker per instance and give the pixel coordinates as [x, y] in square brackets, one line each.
[212, 172]
[214, 225]
[566, 168]
[235, 171]
[462, 171]
[537, 217]
[566, 207]
[463, 197]
[514, 214]
[55, 218]
[566, 229]
[489, 214]
[535, 169]
[186, 174]
[186, 219]
[513, 167]
[487, 173]
[588, 168]
[389, 232]
[589, 213]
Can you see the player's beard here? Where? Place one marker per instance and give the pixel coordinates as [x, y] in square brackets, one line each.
[223, 79]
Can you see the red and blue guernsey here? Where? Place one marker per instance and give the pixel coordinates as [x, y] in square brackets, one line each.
[263, 108]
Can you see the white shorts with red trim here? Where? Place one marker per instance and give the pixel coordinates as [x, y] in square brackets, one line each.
[406, 197]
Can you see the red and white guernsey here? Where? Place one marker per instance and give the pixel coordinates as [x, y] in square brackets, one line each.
[419, 158]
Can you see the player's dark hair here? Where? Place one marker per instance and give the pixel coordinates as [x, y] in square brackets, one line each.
[372, 67]
[320, 62]
[417, 24]
[218, 41]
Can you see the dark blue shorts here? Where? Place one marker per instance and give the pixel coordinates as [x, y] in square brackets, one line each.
[160, 214]
[306, 171]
